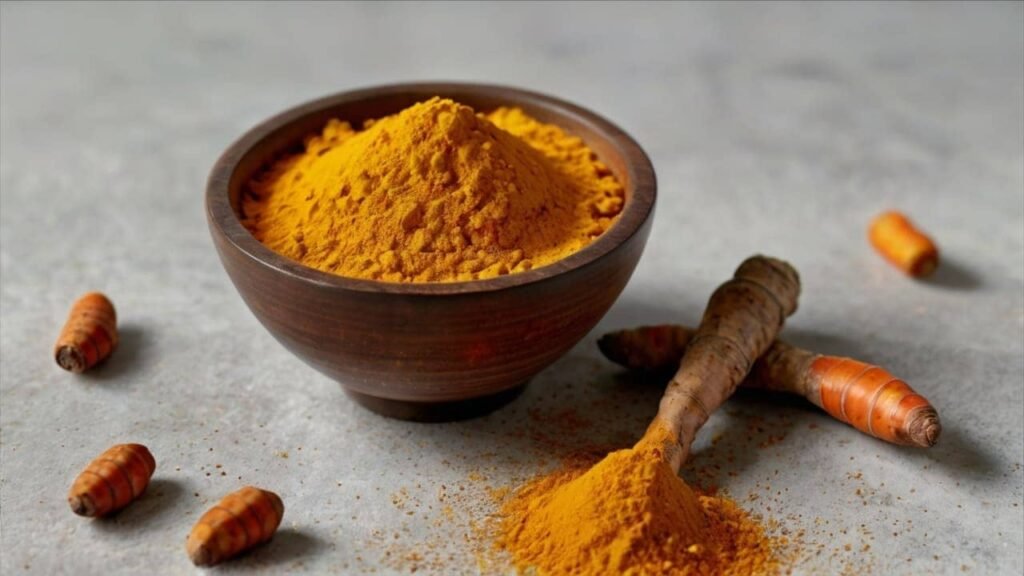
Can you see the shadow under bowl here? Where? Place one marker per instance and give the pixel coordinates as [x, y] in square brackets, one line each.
[429, 351]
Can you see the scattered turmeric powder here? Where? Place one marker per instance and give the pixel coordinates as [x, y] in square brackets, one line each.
[112, 481]
[89, 335]
[906, 247]
[241, 520]
[435, 193]
[876, 402]
[631, 513]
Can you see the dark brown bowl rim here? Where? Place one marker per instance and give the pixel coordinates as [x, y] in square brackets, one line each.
[637, 209]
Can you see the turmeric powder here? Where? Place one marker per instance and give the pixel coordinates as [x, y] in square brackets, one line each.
[630, 514]
[866, 397]
[435, 193]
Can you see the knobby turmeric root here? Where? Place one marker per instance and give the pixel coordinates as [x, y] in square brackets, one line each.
[876, 402]
[112, 481]
[241, 520]
[741, 320]
[89, 335]
[900, 242]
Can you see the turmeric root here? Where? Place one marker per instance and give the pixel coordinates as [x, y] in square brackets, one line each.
[89, 335]
[112, 481]
[877, 403]
[741, 320]
[900, 242]
[240, 521]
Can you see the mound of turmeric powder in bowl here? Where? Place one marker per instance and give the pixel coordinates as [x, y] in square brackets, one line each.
[435, 193]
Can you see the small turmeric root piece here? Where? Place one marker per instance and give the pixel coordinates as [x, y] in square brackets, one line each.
[241, 520]
[876, 402]
[112, 481]
[740, 322]
[89, 335]
[909, 249]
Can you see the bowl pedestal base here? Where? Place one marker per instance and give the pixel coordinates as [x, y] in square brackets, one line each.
[437, 411]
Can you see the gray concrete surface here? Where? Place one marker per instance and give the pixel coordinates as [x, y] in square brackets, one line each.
[774, 128]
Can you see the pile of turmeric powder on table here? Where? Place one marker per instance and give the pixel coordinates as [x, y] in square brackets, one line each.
[435, 193]
[630, 514]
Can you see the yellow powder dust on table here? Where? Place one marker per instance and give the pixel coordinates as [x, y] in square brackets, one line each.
[435, 193]
[629, 514]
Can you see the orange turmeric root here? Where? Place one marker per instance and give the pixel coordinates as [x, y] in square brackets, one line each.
[89, 335]
[740, 322]
[876, 402]
[241, 520]
[896, 238]
[112, 481]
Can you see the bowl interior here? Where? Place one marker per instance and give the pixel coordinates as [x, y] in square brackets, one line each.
[284, 134]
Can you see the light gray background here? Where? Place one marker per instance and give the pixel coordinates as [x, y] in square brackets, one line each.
[773, 128]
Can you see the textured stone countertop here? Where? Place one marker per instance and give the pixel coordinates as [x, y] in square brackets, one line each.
[773, 128]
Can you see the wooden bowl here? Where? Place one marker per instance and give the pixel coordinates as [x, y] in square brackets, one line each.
[431, 351]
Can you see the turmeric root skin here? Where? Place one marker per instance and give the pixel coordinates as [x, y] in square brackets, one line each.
[874, 401]
[742, 318]
[241, 520]
[902, 244]
[89, 335]
[885, 407]
[112, 481]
